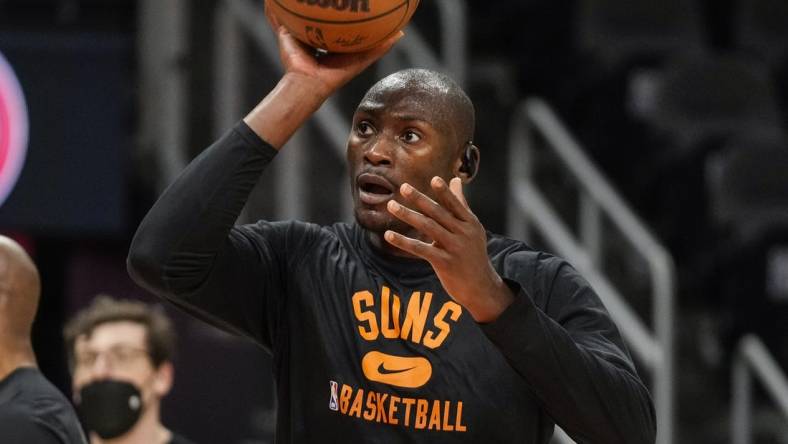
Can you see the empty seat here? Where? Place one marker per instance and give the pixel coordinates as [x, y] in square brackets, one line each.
[617, 39]
[748, 187]
[620, 30]
[761, 26]
[699, 98]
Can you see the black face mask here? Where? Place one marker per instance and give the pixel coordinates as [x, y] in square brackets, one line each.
[109, 408]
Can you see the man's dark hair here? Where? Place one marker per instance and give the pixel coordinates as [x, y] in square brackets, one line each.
[159, 333]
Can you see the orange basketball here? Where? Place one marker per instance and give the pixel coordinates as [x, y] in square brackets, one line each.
[343, 25]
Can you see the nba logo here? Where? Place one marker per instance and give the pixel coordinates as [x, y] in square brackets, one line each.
[332, 403]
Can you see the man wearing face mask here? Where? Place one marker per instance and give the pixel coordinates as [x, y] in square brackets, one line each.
[120, 357]
[32, 410]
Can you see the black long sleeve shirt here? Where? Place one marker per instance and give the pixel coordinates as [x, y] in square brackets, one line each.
[369, 347]
[32, 410]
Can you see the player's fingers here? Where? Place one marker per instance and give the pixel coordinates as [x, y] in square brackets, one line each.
[272, 19]
[455, 185]
[429, 207]
[420, 222]
[415, 247]
[449, 198]
[289, 46]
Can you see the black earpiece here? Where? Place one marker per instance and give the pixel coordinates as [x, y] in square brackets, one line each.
[470, 160]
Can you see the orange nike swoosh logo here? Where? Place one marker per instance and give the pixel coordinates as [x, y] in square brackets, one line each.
[399, 371]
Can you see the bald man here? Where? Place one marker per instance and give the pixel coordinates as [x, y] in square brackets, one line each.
[412, 324]
[32, 410]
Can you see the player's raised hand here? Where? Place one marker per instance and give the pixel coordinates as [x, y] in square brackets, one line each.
[329, 71]
[308, 81]
[458, 247]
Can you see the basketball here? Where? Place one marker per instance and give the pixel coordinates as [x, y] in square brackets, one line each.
[343, 25]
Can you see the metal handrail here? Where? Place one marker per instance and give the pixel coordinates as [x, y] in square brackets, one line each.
[561, 437]
[655, 350]
[453, 15]
[162, 41]
[752, 358]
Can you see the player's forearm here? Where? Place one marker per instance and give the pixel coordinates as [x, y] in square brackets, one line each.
[569, 351]
[175, 245]
[584, 386]
[285, 109]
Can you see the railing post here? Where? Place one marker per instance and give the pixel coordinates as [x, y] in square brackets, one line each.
[590, 227]
[345, 205]
[741, 401]
[454, 37]
[599, 200]
[754, 362]
[664, 317]
[560, 437]
[227, 73]
[520, 156]
[291, 182]
[162, 46]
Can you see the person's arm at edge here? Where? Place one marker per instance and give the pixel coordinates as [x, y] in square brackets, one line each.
[16, 425]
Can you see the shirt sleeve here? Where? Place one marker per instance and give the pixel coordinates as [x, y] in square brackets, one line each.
[188, 250]
[571, 354]
[18, 428]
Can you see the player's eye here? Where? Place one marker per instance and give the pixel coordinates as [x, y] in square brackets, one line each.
[363, 128]
[411, 137]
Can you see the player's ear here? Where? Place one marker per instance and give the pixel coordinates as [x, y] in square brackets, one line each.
[467, 165]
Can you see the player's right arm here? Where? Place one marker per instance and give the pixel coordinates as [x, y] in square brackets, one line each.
[307, 83]
[187, 250]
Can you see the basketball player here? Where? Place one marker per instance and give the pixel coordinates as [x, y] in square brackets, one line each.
[120, 358]
[32, 410]
[412, 324]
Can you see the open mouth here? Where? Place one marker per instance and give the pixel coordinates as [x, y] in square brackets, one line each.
[374, 189]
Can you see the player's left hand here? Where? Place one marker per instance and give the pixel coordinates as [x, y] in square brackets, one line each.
[458, 251]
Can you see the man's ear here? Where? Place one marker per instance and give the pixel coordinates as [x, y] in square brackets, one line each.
[467, 165]
[163, 379]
